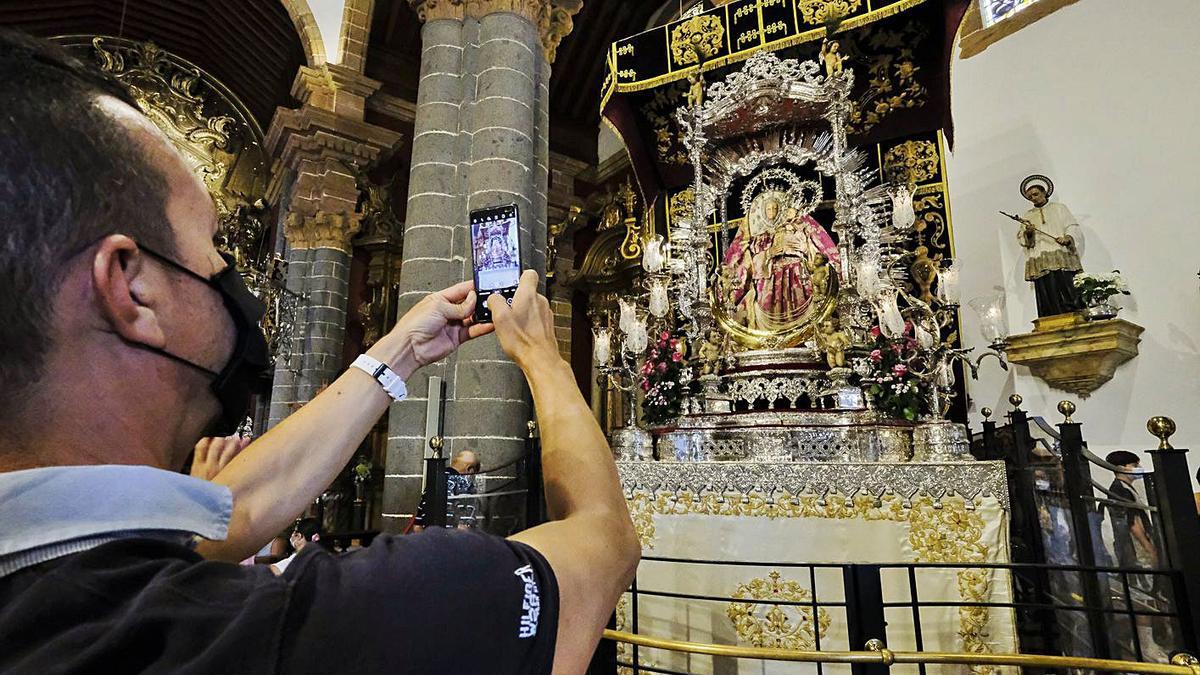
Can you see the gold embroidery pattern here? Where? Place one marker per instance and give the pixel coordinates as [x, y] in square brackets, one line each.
[624, 651]
[660, 113]
[912, 162]
[642, 513]
[891, 76]
[930, 209]
[824, 11]
[697, 38]
[945, 531]
[780, 626]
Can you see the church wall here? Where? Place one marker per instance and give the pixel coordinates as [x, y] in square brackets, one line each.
[1100, 96]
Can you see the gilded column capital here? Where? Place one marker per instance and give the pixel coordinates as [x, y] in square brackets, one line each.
[322, 230]
[433, 10]
[557, 25]
[553, 18]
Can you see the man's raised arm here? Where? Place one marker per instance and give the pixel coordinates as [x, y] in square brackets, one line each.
[278, 475]
[590, 543]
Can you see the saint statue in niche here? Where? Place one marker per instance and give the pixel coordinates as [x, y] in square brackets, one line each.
[772, 262]
[1050, 236]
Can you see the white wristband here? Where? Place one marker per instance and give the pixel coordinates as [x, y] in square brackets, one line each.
[386, 377]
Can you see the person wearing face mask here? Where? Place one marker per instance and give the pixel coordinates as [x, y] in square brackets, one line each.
[127, 336]
[1134, 545]
[460, 480]
[308, 531]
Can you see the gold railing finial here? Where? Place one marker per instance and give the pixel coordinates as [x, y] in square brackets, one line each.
[987, 414]
[1187, 660]
[1016, 401]
[876, 645]
[1162, 428]
[1067, 409]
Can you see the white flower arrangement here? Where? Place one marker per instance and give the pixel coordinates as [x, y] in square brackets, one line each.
[1097, 288]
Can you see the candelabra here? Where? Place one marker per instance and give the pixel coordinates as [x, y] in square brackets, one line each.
[622, 368]
[917, 329]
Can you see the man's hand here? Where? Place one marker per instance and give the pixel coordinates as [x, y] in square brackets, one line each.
[1065, 240]
[212, 454]
[526, 329]
[431, 330]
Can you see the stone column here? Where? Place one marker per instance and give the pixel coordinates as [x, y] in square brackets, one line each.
[435, 209]
[481, 139]
[319, 148]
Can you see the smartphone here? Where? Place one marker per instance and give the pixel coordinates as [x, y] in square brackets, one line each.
[496, 252]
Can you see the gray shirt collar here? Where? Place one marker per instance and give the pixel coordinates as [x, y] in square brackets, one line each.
[54, 511]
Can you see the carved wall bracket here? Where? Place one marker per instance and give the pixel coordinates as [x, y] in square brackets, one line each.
[1074, 355]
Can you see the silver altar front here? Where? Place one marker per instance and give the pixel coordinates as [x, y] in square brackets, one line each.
[781, 514]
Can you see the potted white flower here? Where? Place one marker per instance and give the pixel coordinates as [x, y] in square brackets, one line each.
[1095, 290]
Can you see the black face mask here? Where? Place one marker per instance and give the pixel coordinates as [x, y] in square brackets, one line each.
[248, 370]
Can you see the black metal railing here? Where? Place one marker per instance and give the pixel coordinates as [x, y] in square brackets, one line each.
[861, 597]
[1059, 514]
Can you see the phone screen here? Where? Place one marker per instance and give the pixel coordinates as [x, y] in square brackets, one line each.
[496, 250]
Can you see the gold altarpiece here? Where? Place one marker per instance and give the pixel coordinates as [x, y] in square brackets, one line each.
[778, 459]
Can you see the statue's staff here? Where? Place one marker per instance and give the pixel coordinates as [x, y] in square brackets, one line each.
[1030, 227]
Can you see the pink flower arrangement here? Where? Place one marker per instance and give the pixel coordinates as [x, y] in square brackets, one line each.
[662, 375]
[890, 381]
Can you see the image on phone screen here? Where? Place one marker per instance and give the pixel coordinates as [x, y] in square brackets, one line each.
[496, 250]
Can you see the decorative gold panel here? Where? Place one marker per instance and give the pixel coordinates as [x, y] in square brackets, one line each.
[778, 626]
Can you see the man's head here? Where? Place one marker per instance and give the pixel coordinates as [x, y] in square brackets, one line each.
[1124, 459]
[88, 185]
[465, 462]
[1037, 195]
[307, 530]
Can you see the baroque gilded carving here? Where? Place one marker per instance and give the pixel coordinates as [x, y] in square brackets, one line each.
[696, 39]
[217, 137]
[826, 11]
[911, 162]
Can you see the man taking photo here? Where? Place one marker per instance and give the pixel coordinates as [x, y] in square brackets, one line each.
[127, 336]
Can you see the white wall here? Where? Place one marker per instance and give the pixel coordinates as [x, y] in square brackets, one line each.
[1103, 96]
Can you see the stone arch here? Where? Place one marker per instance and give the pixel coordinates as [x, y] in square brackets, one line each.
[356, 27]
[306, 27]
